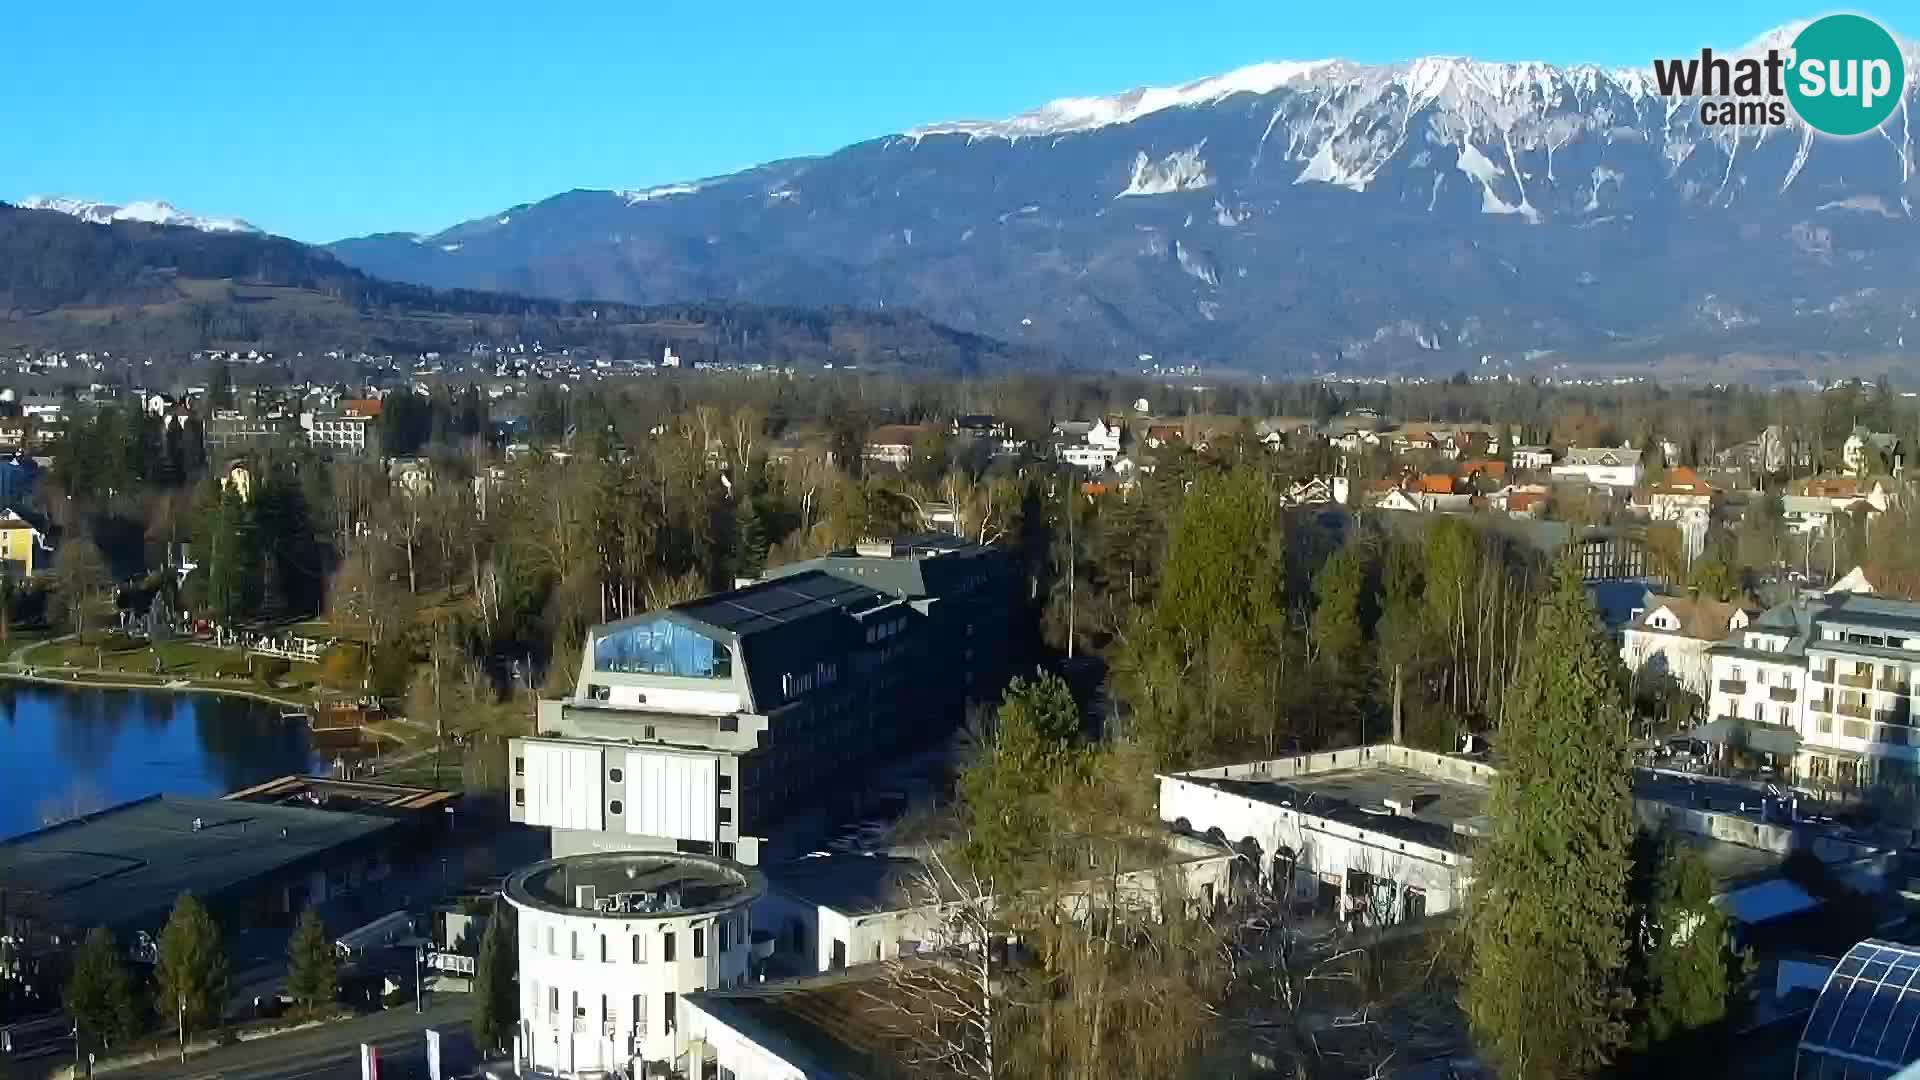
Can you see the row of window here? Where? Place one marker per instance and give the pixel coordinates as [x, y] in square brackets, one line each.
[728, 929]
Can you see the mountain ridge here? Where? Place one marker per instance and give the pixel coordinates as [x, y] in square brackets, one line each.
[1283, 218]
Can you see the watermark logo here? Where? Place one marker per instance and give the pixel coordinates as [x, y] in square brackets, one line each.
[1842, 76]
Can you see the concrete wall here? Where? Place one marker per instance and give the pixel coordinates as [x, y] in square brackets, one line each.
[736, 1052]
[1443, 766]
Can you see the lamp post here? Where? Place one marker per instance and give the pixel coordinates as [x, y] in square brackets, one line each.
[419, 979]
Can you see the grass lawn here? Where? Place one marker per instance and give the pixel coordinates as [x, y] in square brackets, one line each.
[176, 660]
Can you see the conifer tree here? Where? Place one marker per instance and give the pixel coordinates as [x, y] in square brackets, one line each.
[1547, 925]
[495, 1002]
[99, 992]
[192, 970]
[312, 969]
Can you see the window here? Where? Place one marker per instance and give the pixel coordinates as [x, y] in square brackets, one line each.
[553, 999]
[578, 1012]
[575, 944]
[599, 692]
[616, 775]
[606, 951]
[519, 766]
[639, 1012]
[839, 960]
[726, 935]
[726, 850]
[725, 783]
[550, 951]
[671, 1020]
[616, 807]
[606, 1012]
[725, 815]
[639, 949]
[666, 947]
[519, 796]
[699, 942]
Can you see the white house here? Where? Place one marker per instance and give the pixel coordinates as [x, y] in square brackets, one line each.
[1614, 468]
[1683, 499]
[1532, 457]
[1826, 685]
[1670, 635]
[1864, 450]
[610, 944]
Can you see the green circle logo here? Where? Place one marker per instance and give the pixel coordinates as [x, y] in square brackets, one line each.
[1846, 75]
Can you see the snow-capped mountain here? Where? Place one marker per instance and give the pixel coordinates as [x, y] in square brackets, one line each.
[150, 211]
[1285, 215]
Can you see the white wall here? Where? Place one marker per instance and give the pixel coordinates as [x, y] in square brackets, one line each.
[564, 785]
[1323, 850]
[671, 795]
[737, 1053]
[558, 1041]
[675, 699]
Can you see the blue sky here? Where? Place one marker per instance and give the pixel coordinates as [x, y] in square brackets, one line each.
[320, 121]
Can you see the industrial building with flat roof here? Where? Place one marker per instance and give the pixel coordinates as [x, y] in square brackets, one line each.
[724, 723]
[1385, 833]
[124, 867]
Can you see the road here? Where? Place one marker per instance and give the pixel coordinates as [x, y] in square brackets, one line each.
[325, 1053]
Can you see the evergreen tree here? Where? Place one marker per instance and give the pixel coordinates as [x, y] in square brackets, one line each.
[495, 999]
[1043, 703]
[1547, 923]
[191, 974]
[754, 541]
[1690, 967]
[234, 565]
[99, 992]
[220, 386]
[312, 971]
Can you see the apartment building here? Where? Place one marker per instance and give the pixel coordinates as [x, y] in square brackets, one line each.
[353, 429]
[729, 725]
[232, 430]
[1826, 683]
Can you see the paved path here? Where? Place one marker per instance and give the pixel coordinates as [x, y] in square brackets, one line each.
[331, 1052]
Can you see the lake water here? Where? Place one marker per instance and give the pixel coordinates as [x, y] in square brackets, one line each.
[67, 750]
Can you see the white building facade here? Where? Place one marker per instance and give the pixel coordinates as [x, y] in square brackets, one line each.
[610, 944]
[1827, 683]
[1614, 468]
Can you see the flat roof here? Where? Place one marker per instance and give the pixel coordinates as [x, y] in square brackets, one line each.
[1436, 811]
[853, 883]
[778, 602]
[843, 1023]
[664, 884]
[126, 865]
[296, 789]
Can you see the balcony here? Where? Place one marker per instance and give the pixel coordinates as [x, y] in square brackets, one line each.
[1822, 676]
[1821, 704]
[1894, 736]
[1858, 682]
[1859, 712]
[1854, 729]
[1783, 693]
[1735, 687]
[1894, 686]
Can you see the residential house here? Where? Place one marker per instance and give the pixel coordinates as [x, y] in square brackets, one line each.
[1812, 506]
[1162, 435]
[1087, 444]
[1519, 500]
[1867, 452]
[1615, 468]
[21, 544]
[412, 476]
[1318, 491]
[1532, 458]
[1670, 635]
[892, 444]
[1683, 499]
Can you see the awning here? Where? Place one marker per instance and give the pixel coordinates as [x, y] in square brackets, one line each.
[1749, 734]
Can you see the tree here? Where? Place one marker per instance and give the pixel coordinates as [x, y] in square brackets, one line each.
[312, 971]
[495, 999]
[1691, 969]
[1044, 704]
[191, 973]
[99, 992]
[1547, 921]
[81, 577]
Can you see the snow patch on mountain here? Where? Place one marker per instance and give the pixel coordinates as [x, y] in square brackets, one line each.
[151, 211]
[1085, 113]
[1197, 263]
[1182, 170]
[664, 191]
